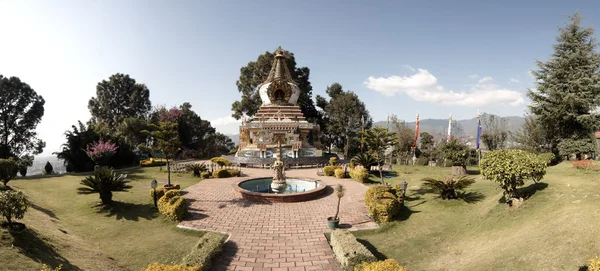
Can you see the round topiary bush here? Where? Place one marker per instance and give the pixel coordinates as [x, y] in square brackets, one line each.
[382, 203]
[205, 175]
[340, 173]
[361, 175]
[387, 265]
[226, 173]
[333, 161]
[221, 161]
[330, 170]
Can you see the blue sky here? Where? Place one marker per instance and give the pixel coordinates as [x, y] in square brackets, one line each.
[400, 57]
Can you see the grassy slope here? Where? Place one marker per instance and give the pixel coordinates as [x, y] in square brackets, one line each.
[556, 229]
[131, 233]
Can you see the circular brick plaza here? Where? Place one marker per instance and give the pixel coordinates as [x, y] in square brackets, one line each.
[273, 236]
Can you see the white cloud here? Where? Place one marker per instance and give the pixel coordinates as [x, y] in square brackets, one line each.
[514, 81]
[224, 121]
[409, 67]
[423, 86]
[485, 79]
[473, 76]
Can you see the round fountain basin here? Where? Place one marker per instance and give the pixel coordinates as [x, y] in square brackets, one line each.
[298, 189]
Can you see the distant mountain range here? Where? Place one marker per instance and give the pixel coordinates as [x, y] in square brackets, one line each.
[439, 127]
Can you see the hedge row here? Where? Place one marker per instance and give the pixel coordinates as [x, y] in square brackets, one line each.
[348, 251]
[177, 267]
[387, 265]
[361, 175]
[226, 173]
[209, 245]
[172, 205]
[382, 203]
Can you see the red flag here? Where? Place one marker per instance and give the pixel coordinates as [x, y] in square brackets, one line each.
[416, 132]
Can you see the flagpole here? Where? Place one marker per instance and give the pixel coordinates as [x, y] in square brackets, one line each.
[478, 136]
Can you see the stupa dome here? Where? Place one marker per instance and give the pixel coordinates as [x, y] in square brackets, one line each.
[279, 88]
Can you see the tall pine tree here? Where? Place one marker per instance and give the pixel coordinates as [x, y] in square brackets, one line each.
[567, 93]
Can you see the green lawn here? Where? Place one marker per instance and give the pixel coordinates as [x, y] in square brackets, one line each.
[70, 229]
[556, 229]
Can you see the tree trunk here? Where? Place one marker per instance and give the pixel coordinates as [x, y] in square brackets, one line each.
[459, 170]
[106, 197]
[337, 210]
[381, 174]
[346, 146]
[168, 173]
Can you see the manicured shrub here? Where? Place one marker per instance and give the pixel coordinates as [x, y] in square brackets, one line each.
[13, 205]
[172, 205]
[205, 175]
[594, 264]
[177, 267]
[510, 168]
[104, 182]
[387, 265]
[340, 173]
[24, 162]
[159, 193]
[333, 161]
[585, 165]
[153, 162]
[221, 161]
[361, 175]
[547, 157]
[448, 186]
[226, 173]
[48, 169]
[382, 203]
[209, 246]
[48, 268]
[422, 161]
[330, 170]
[348, 251]
[8, 170]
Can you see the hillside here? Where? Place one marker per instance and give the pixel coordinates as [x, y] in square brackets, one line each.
[438, 127]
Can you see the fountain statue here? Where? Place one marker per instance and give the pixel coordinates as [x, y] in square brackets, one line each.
[279, 184]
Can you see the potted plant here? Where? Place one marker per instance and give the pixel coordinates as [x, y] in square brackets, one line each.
[334, 221]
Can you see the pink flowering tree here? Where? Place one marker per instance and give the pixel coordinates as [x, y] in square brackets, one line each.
[101, 151]
[171, 115]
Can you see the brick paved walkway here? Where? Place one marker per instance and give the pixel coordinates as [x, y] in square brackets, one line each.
[277, 236]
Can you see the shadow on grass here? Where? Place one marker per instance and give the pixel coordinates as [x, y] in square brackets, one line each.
[470, 197]
[44, 210]
[33, 246]
[128, 211]
[473, 171]
[527, 192]
[583, 268]
[405, 213]
[380, 256]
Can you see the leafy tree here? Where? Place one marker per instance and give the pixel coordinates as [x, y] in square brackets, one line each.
[494, 131]
[20, 112]
[532, 136]
[130, 130]
[405, 137]
[8, 170]
[101, 151]
[13, 204]
[76, 159]
[218, 144]
[378, 140]
[567, 92]
[104, 182]
[343, 115]
[255, 73]
[48, 169]
[23, 163]
[457, 153]
[119, 98]
[166, 140]
[510, 168]
[427, 141]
